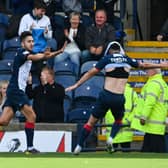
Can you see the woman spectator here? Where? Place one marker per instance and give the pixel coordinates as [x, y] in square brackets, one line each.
[3, 87]
[74, 33]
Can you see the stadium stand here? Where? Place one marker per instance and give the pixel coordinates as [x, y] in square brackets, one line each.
[90, 88]
[84, 99]
[65, 67]
[66, 80]
[57, 22]
[6, 69]
[88, 6]
[52, 45]
[67, 107]
[87, 66]
[4, 21]
[10, 47]
[87, 20]
[78, 115]
[2, 32]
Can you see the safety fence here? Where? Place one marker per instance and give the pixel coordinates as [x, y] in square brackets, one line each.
[61, 137]
[54, 137]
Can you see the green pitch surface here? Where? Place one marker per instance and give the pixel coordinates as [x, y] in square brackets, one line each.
[84, 160]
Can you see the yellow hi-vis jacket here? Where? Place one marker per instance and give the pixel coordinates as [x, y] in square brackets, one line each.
[152, 106]
[126, 133]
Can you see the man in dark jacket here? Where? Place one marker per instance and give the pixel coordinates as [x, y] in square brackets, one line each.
[48, 98]
[98, 36]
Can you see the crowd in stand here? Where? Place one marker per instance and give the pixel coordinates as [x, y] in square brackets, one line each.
[86, 36]
[83, 38]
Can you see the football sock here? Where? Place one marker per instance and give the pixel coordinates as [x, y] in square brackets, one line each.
[115, 128]
[84, 134]
[29, 130]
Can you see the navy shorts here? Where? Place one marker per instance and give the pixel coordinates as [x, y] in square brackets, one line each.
[16, 99]
[108, 100]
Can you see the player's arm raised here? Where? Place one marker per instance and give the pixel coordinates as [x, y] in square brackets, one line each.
[46, 55]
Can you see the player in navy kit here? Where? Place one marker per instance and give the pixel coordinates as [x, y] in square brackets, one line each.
[16, 97]
[117, 67]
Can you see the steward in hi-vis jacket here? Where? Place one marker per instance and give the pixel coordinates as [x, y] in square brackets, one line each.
[150, 114]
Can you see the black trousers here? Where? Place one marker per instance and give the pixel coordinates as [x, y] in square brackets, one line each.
[154, 143]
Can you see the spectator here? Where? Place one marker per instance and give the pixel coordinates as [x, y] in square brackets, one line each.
[16, 97]
[48, 98]
[39, 24]
[108, 5]
[13, 27]
[125, 135]
[75, 36]
[150, 114]
[3, 87]
[69, 6]
[163, 35]
[50, 7]
[97, 37]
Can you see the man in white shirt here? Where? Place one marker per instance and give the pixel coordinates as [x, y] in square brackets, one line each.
[40, 26]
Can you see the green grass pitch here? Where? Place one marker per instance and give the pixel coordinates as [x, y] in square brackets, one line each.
[84, 160]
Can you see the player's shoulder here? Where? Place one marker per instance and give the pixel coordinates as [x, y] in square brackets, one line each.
[24, 51]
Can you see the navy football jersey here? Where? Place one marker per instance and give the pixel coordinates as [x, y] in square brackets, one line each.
[21, 70]
[115, 61]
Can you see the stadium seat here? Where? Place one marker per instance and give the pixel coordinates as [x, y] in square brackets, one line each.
[78, 115]
[86, 66]
[0, 49]
[4, 22]
[65, 67]
[85, 95]
[67, 106]
[90, 88]
[88, 6]
[6, 67]
[2, 32]
[4, 19]
[87, 20]
[10, 47]
[5, 76]
[52, 44]
[66, 80]
[57, 21]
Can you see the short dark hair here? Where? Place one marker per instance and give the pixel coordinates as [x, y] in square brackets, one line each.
[39, 4]
[24, 35]
[115, 46]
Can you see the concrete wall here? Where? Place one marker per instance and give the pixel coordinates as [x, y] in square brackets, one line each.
[143, 8]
